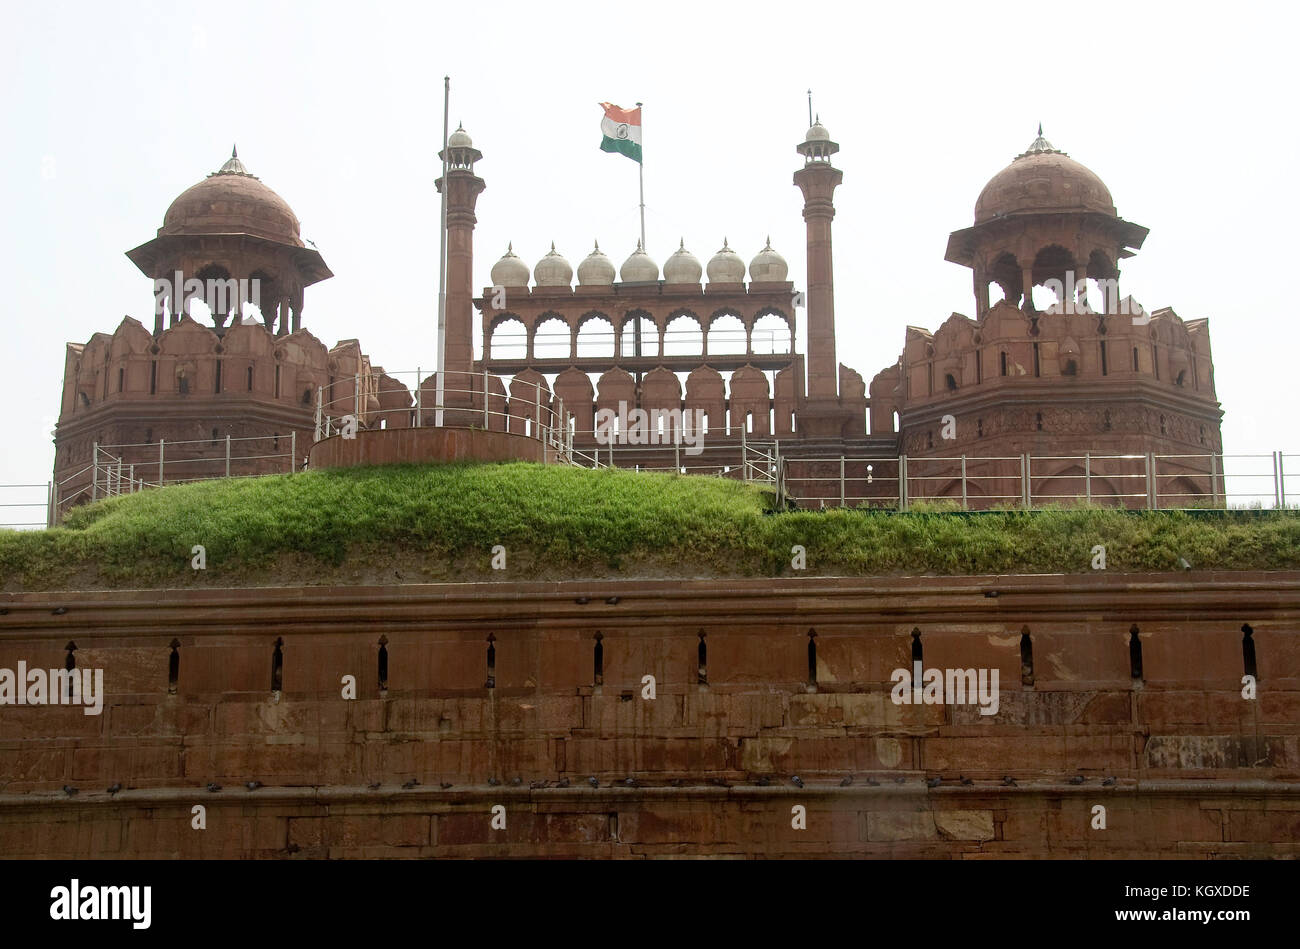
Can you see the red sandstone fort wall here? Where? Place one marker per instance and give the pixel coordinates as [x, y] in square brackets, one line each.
[1199, 771]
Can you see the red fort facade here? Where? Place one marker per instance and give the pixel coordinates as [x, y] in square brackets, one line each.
[1086, 379]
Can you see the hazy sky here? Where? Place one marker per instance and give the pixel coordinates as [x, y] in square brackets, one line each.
[111, 110]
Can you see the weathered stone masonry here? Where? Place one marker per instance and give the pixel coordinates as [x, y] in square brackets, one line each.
[1199, 771]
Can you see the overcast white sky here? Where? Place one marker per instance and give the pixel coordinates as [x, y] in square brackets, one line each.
[111, 110]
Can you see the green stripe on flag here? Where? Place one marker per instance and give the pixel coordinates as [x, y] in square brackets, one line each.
[623, 146]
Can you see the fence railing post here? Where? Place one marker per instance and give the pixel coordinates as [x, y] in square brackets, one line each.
[228, 447]
[131, 475]
[963, 483]
[1151, 491]
[356, 396]
[902, 482]
[94, 471]
[1281, 480]
[293, 451]
[487, 424]
[161, 443]
[744, 456]
[419, 396]
[1087, 476]
[320, 395]
[780, 472]
[1214, 480]
[49, 504]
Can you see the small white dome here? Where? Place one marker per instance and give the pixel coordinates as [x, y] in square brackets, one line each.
[510, 271]
[553, 270]
[682, 266]
[596, 270]
[638, 268]
[817, 132]
[460, 138]
[726, 266]
[768, 266]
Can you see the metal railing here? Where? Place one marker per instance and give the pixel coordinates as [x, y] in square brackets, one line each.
[469, 399]
[978, 482]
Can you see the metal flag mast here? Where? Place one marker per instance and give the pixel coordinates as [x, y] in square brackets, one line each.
[636, 326]
[640, 171]
[442, 267]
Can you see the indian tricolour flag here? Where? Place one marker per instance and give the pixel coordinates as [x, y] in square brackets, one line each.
[622, 131]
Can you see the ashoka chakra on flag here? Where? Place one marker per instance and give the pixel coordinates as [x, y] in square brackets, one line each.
[621, 129]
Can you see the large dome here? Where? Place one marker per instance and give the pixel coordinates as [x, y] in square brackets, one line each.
[231, 201]
[1042, 179]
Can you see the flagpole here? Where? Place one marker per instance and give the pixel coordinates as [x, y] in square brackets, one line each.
[640, 171]
[636, 326]
[442, 267]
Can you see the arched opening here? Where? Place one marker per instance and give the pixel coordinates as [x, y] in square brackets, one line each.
[277, 666]
[551, 339]
[174, 667]
[1005, 275]
[491, 663]
[727, 336]
[684, 336]
[1053, 266]
[918, 652]
[70, 666]
[1135, 653]
[702, 662]
[508, 339]
[595, 336]
[639, 321]
[1248, 651]
[598, 661]
[1026, 657]
[772, 335]
[1102, 283]
[382, 664]
[812, 659]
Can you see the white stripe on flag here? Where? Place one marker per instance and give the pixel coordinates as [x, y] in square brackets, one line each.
[620, 130]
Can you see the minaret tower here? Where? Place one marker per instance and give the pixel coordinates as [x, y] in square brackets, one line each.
[817, 180]
[463, 189]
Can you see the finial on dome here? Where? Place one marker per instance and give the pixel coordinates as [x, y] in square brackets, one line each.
[596, 246]
[1040, 146]
[768, 245]
[233, 166]
[552, 247]
[681, 244]
[510, 247]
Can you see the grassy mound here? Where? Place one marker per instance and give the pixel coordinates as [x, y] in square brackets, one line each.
[434, 522]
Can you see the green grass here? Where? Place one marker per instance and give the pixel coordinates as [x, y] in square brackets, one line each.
[414, 523]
